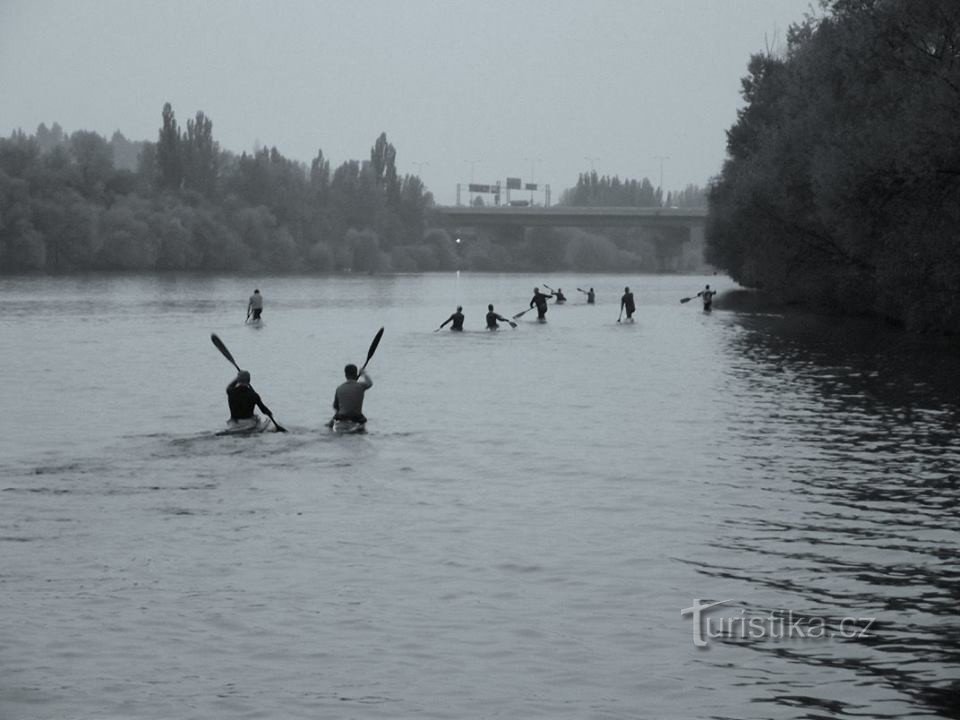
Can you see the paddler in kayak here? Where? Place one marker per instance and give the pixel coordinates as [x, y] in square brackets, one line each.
[456, 319]
[626, 303]
[591, 297]
[348, 399]
[707, 295]
[255, 305]
[242, 399]
[540, 300]
[561, 298]
[494, 319]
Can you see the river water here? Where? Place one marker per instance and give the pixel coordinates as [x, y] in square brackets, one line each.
[515, 536]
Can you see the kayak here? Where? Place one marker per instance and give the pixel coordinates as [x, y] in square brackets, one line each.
[247, 426]
[347, 427]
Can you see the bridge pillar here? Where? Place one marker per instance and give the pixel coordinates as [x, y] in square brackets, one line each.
[693, 249]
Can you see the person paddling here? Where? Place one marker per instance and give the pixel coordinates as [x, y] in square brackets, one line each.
[591, 297]
[242, 399]
[626, 303]
[540, 301]
[707, 295]
[255, 305]
[494, 319]
[348, 399]
[561, 298]
[456, 319]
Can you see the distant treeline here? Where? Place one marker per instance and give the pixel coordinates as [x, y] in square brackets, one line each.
[842, 184]
[78, 203]
[594, 190]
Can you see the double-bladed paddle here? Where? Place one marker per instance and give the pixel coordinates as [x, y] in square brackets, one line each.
[373, 347]
[226, 353]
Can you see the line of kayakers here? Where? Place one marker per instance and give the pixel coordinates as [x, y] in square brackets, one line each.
[348, 398]
[539, 301]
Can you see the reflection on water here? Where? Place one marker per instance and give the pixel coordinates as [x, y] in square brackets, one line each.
[863, 423]
[514, 537]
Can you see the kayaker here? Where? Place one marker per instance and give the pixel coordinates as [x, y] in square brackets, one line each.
[707, 295]
[561, 298]
[494, 319]
[242, 399]
[540, 300]
[626, 303]
[456, 319]
[591, 297]
[348, 399]
[255, 306]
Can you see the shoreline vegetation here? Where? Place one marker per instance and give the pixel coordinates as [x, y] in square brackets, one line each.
[79, 203]
[841, 189]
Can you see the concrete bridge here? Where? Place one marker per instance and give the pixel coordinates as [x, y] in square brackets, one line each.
[564, 216]
[678, 232]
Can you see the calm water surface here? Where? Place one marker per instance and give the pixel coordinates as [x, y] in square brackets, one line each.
[514, 538]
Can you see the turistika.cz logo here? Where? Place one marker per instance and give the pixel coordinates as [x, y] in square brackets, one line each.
[776, 625]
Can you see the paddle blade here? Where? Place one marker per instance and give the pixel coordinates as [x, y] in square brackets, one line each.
[521, 314]
[685, 300]
[373, 347]
[223, 349]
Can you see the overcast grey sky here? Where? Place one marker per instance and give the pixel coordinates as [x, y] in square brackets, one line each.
[481, 88]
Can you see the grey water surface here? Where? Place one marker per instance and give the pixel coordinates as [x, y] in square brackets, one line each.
[515, 536]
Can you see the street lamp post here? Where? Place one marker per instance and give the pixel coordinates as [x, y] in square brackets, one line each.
[472, 164]
[661, 158]
[533, 161]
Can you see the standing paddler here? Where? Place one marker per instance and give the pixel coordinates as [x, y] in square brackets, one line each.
[707, 296]
[456, 319]
[627, 303]
[494, 319]
[255, 305]
[540, 301]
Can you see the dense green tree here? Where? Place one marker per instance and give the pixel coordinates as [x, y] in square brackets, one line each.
[126, 154]
[843, 168]
[94, 160]
[169, 156]
[200, 156]
[593, 190]
[68, 225]
[49, 138]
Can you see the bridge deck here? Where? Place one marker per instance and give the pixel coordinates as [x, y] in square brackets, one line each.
[572, 216]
